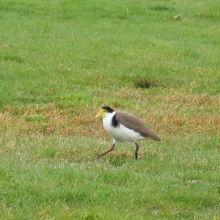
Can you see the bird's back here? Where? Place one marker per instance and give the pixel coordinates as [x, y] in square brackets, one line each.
[132, 122]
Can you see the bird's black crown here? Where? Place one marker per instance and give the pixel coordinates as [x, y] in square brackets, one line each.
[107, 108]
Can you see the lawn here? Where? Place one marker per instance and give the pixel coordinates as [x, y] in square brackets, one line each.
[61, 60]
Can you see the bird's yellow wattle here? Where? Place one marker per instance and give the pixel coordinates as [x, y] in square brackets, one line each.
[101, 113]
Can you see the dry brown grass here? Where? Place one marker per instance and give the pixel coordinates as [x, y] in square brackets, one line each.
[197, 100]
[173, 124]
[171, 115]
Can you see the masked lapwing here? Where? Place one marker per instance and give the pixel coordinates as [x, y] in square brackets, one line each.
[124, 127]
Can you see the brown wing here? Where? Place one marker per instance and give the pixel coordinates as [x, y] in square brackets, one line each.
[132, 122]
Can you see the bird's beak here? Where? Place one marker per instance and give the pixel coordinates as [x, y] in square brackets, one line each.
[101, 113]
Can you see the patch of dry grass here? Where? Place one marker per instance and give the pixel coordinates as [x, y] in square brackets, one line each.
[171, 114]
[195, 100]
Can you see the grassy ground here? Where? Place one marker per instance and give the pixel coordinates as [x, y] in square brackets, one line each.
[61, 60]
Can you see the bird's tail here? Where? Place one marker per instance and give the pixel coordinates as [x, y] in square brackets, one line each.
[156, 137]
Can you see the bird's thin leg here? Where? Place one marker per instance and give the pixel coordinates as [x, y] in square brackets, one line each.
[136, 151]
[111, 149]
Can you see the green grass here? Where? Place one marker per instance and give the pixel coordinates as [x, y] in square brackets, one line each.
[54, 177]
[61, 60]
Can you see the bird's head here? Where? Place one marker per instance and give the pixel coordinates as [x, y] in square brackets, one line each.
[104, 110]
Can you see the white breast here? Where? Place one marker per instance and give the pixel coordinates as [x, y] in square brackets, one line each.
[120, 133]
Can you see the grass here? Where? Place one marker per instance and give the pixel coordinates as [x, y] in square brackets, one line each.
[61, 60]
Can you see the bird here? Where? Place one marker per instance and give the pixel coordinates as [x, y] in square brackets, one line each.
[124, 127]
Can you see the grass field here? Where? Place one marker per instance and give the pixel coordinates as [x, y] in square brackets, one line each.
[61, 60]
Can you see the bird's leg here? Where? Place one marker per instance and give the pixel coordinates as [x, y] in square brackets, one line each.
[136, 151]
[111, 149]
